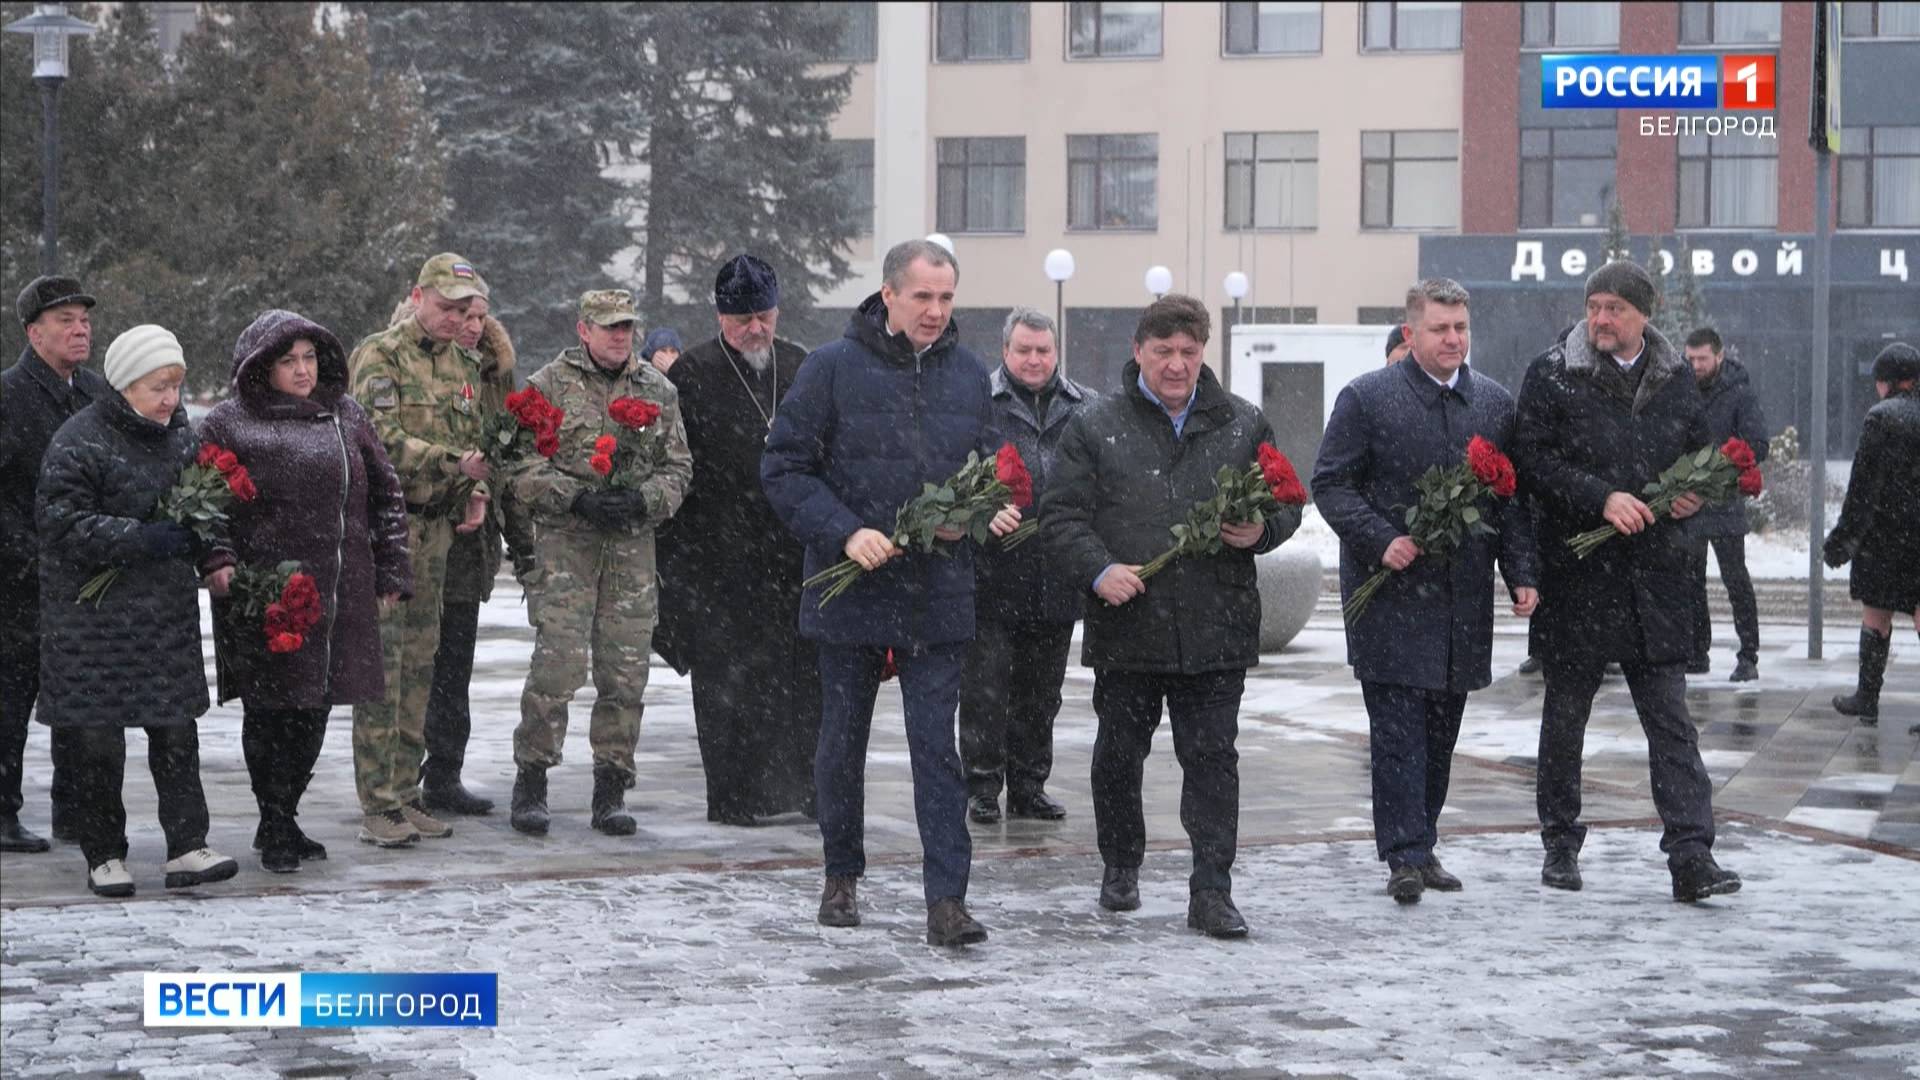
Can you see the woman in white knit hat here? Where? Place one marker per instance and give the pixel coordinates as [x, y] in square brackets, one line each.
[133, 659]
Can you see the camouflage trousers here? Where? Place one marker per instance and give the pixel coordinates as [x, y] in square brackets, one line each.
[594, 594]
[389, 739]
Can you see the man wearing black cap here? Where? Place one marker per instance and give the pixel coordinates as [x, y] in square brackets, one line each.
[41, 391]
[728, 564]
[1397, 345]
[1601, 414]
[1879, 528]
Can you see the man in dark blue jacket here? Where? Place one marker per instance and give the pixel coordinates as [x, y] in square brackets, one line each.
[48, 384]
[1426, 639]
[1131, 466]
[1733, 411]
[895, 404]
[1027, 602]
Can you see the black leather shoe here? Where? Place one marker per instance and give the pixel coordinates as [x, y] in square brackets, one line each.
[949, 924]
[14, 838]
[838, 904]
[1562, 869]
[1405, 885]
[309, 849]
[1530, 666]
[1744, 671]
[1435, 877]
[1039, 806]
[1211, 912]
[983, 809]
[1120, 888]
[454, 798]
[1700, 877]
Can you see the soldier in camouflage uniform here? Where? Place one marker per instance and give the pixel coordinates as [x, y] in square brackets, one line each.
[418, 385]
[593, 590]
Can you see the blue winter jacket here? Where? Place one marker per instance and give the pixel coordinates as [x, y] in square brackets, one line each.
[866, 425]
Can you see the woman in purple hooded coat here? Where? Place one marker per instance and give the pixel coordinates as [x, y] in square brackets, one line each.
[330, 500]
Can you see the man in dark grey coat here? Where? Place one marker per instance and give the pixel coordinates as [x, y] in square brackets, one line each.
[1131, 466]
[48, 384]
[1025, 602]
[1601, 414]
[1733, 411]
[1426, 639]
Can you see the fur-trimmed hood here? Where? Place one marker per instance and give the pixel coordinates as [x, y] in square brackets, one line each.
[1663, 361]
[495, 343]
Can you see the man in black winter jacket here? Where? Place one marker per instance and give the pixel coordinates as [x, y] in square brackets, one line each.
[1733, 411]
[48, 384]
[1131, 466]
[1600, 415]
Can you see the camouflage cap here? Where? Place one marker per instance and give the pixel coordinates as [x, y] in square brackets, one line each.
[607, 307]
[452, 277]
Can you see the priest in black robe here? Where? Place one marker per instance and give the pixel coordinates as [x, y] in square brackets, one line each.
[730, 571]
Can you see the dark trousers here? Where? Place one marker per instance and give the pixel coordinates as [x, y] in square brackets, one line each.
[281, 747]
[1413, 732]
[1009, 697]
[19, 689]
[1205, 711]
[930, 689]
[1682, 791]
[100, 766]
[1730, 552]
[449, 713]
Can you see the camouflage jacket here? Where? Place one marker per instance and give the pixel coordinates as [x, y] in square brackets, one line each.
[572, 382]
[425, 401]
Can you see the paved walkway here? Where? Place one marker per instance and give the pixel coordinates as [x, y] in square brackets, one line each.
[689, 949]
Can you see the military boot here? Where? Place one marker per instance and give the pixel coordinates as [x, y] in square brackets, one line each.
[1864, 702]
[610, 801]
[530, 801]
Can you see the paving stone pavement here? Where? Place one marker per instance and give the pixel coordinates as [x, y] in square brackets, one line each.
[689, 949]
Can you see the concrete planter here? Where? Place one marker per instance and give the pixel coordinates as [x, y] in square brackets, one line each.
[1289, 581]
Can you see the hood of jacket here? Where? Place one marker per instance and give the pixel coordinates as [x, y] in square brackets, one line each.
[267, 339]
[868, 326]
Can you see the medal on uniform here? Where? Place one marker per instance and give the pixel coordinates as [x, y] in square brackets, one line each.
[465, 401]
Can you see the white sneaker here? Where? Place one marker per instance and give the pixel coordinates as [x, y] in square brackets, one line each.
[110, 878]
[200, 867]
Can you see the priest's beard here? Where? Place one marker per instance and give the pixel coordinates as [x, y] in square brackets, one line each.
[758, 359]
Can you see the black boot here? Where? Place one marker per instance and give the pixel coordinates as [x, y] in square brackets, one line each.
[1211, 912]
[1864, 702]
[1700, 877]
[15, 838]
[310, 850]
[948, 924]
[279, 848]
[610, 800]
[1120, 888]
[530, 801]
[443, 792]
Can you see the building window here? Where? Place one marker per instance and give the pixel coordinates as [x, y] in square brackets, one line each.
[1113, 30]
[1410, 26]
[982, 186]
[1272, 180]
[1729, 24]
[1111, 181]
[1574, 25]
[1859, 20]
[980, 31]
[1729, 181]
[1566, 175]
[859, 33]
[1269, 29]
[856, 178]
[1880, 177]
[1409, 179]
[1394, 315]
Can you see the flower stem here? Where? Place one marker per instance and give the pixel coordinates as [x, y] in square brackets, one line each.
[1363, 595]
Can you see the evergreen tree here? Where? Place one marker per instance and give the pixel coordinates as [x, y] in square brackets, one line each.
[1682, 308]
[1616, 244]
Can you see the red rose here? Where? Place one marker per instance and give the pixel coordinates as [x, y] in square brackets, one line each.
[601, 463]
[633, 412]
[301, 596]
[1750, 481]
[208, 452]
[546, 444]
[889, 669]
[279, 619]
[1738, 452]
[1489, 465]
[1507, 482]
[225, 461]
[1280, 478]
[605, 445]
[1011, 471]
[241, 484]
[285, 642]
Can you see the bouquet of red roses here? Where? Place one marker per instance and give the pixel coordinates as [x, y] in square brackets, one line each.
[628, 456]
[1448, 510]
[281, 601]
[1239, 495]
[529, 419]
[1715, 473]
[968, 501]
[198, 500]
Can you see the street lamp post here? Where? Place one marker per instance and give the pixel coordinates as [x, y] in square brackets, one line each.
[1059, 267]
[942, 239]
[1159, 281]
[1235, 285]
[50, 26]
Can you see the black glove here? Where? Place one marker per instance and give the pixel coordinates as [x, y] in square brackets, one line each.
[166, 540]
[611, 509]
[1834, 553]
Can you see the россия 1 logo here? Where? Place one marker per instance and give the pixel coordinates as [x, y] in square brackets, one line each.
[1691, 81]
